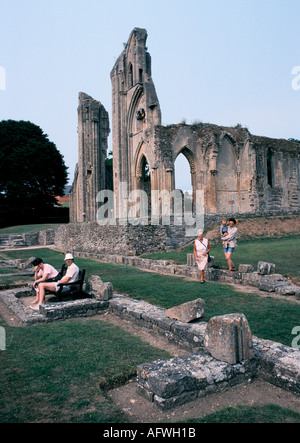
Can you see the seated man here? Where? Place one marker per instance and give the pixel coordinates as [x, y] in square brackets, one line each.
[70, 277]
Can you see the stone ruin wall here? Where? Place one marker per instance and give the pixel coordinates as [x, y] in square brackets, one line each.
[239, 173]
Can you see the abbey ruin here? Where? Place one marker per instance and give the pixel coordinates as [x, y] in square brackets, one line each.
[239, 173]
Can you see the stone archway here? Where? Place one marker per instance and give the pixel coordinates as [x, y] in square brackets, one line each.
[189, 199]
[143, 175]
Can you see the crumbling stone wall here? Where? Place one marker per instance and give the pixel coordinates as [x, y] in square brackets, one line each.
[118, 239]
[238, 172]
[89, 178]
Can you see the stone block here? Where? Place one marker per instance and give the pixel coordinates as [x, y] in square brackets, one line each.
[228, 338]
[187, 312]
[252, 278]
[100, 290]
[191, 261]
[273, 278]
[286, 290]
[245, 269]
[170, 383]
[269, 286]
[264, 268]
[272, 282]
[72, 309]
[278, 364]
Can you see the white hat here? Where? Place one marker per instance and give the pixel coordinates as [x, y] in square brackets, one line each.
[69, 257]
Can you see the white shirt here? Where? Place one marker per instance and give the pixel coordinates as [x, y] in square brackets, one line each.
[72, 272]
[201, 246]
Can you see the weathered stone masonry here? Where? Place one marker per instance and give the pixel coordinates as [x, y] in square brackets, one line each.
[183, 379]
[238, 172]
[90, 176]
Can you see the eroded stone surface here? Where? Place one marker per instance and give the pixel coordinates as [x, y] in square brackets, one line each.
[187, 312]
[228, 338]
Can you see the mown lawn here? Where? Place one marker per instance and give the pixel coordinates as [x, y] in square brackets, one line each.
[269, 318]
[24, 229]
[251, 414]
[60, 372]
[284, 252]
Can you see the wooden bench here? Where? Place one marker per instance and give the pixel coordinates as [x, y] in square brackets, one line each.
[76, 286]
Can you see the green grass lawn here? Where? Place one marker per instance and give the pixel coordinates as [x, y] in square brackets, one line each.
[269, 318]
[60, 372]
[251, 414]
[24, 229]
[284, 252]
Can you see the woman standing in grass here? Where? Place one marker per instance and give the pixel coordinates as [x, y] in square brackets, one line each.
[229, 242]
[201, 250]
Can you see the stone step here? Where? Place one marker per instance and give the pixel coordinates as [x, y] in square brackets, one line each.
[177, 381]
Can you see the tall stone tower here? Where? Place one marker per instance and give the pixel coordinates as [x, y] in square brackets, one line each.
[135, 113]
[93, 131]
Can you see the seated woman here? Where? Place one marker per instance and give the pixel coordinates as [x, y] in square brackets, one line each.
[43, 272]
[70, 277]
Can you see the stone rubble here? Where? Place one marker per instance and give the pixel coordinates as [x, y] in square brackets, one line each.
[187, 312]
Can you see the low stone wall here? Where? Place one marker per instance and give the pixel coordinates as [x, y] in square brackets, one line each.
[189, 336]
[51, 311]
[108, 239]
[73, 309]
[124, 240]
[176, 381]
[244, 276]
[171, 383]
[14, 241]
[25, 315]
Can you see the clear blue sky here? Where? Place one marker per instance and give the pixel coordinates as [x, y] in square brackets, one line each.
[217, 61]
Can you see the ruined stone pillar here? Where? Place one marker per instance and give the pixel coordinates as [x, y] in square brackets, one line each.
[228, 338]
[93, 130]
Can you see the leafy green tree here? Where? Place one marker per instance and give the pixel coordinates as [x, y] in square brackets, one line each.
[32, 172]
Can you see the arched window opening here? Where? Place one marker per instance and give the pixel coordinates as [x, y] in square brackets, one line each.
[130, 76]
[145, 171]
[140, 75]
[145, 184]
[183, 181]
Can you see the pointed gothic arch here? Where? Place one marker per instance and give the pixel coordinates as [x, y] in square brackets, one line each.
[188, 154]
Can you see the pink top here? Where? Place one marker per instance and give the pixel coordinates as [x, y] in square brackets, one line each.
[49, 271]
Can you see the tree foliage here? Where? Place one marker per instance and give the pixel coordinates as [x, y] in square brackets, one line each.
[32, 172]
